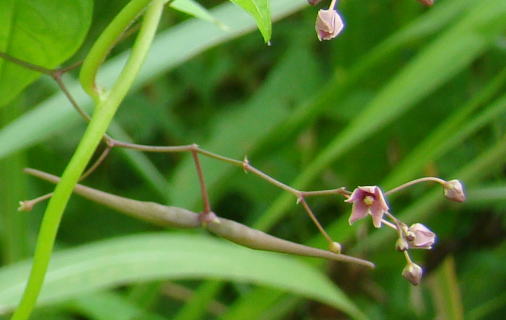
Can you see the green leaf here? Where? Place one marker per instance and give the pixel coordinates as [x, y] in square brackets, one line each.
[108, 306]
[43, 32]
[446, 291]
[55, 113]
[195, 9]
[261, 12]
[104, 264]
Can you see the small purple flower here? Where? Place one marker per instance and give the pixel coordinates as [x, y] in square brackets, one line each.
[454, 191]
[422, 237]
[328, 24]
[413, 273]
[368, 200]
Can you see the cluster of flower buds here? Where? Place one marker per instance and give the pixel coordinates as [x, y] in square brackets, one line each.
[329, 23]
[370, 200]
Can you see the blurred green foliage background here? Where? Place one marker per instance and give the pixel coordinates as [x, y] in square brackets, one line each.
[405, 91]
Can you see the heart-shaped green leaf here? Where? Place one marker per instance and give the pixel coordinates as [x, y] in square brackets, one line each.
[260, 10]
[42, 32]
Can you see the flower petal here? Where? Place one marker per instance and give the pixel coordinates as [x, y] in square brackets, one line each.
[377, 213]
[358, 211]
[378, 208]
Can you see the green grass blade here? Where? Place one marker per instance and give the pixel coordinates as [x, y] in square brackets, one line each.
[451, 132]
[195, 9]
[110, 263]
[108, 306]
[339, 86]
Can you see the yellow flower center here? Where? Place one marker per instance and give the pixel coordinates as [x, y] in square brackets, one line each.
[368, 200]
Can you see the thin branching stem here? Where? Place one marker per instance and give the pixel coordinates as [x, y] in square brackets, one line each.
[389, 224]
[408, 258]
[25, 64]
[193, 149]
[202, 183]
[413, 182]
[397, 223]
[97, 163]
[315, 220]
[28, 205]
[55, 74]
[67, 94]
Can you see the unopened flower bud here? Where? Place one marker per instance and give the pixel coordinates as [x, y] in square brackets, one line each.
[401, 244]
[454, 191]
[314, 2]
[413, 273]
[423, 238]
[328, 24]
[335, 247]
[428, 3]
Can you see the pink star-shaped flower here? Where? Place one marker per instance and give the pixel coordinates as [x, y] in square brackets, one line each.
[368, 200]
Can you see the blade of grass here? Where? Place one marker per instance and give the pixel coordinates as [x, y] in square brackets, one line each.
[109, 263]
[14, 235]
[195, 9]
[483, 194]
[490, 306]
[439, 142]
[108, 306]
[339, 86]
[446, 292]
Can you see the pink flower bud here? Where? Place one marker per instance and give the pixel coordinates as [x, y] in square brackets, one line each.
[413, 273]
[368, 200]
[314, 2]
[328, 24]
[428, 3]
[454, 191]
[422, 238]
